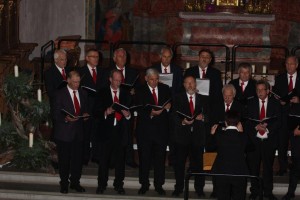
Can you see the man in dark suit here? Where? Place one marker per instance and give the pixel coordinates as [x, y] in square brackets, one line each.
[114, 132]
[264, 137]
[152, 130]
[188, 136]
[244, 84]
[56, 75]
[294, 129]
[206, 70]
[93, 78]
[230, 158]
[68, 132]
[218, 117]
[166, 67]
[285, 83]
[130, 80]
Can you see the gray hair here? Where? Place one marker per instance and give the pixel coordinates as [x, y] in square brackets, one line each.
[119, 49]
[245, 65]
[229, 87]
[295, 57]
[166, 48]
[58, 52]
[151, 71]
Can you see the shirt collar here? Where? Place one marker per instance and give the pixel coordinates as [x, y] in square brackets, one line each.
[231, 128]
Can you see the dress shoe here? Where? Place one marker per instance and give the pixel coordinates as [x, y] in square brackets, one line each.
[213, 195]
[176, 193]
[100, 190]
[77, 188]
[200, 193]
[252, 196]
[120, 190]
[270, 197]
[160, 191]
[288, 197]
[64, 189]
[143, 190]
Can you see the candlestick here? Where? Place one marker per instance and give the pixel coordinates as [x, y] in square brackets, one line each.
[187, 65]
[16, 70]
[30, 140]
[253, 69]
[39, 95]
[264, 69]
[0, 119]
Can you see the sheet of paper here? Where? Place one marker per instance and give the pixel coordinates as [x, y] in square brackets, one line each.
[203, 86]
[166, 79]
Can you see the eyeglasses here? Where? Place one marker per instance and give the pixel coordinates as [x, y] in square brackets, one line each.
[94, 56]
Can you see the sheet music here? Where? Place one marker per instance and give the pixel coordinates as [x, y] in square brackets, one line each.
[166, 79]
[203, 86]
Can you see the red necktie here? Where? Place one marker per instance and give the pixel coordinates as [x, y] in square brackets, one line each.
[63, 74]
[154, 96]
[94, 75]
[227, 107]
[192, 105]
[242, 85]
[123, 79]
[262, 115]
[166, 70]
[291, 84]
[118, 116]
[203, 73]
[76, 104]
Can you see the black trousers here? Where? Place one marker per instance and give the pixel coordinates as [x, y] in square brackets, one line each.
[295, 170]
[264, 152]
[195, 154]
[112, 152]
[69, 161]
[283, 141]
[231, 188]
[151, 152]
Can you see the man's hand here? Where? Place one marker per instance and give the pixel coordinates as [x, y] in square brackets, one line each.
[125, 113]
[168, 106]
[240, 127]
[70, 119]
[85, 116]
[109, 111]
[297, 131]
[187, 122]
[213, 129]
[261, 127]
[156, 112]
[200, 117]
[295, 99]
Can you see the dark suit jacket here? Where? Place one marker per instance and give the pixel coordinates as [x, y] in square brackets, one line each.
[87, 80]
[177, 77]
[230, 153]
[68, 131]
[155, 128]
[273, 109]
[250, 90]
[53, 80]
[281, 86]
[215, 90]
[105, 100]
[182, 134]
[218, 112]
[130, 75]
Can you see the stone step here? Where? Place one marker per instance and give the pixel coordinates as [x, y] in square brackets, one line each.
[28, 185]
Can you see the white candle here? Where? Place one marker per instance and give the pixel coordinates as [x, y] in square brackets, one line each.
[30, 140]
[264, 69]
[16, 70]
[253, 68]
[39, 95]
[187, 65]
[0, 119]
[47, 123]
